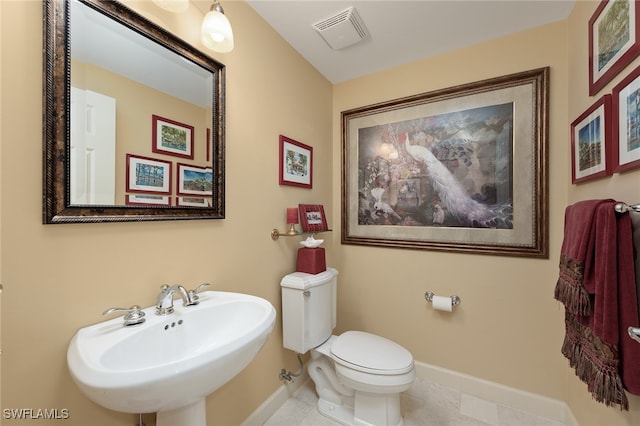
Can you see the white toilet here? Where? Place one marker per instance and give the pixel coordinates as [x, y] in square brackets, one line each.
[358, 376]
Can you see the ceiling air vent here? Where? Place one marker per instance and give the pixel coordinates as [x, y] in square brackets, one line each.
[342, 30]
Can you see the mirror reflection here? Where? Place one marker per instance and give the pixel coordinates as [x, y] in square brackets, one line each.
[143, 117]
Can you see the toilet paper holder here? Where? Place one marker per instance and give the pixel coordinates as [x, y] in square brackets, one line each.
[455, 300]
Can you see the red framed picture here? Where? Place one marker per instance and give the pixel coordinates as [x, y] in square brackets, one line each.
[613, 41]
[312, 218]
[194, 180]
[626, 127]
[193, 201]
[591, 142]
[147, 200]
[296, 163]
[148, 175]
[171, 137]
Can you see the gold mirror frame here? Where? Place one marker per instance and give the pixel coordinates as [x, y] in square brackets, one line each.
[56, 132]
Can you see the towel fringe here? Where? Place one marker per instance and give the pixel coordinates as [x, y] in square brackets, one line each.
[569, 287]
[603, 381]
[574, 298]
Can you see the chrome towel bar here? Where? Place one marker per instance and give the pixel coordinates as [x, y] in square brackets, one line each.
[634, 333]
[624, 208]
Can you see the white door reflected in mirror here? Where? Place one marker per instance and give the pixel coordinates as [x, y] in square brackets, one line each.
[93, 148]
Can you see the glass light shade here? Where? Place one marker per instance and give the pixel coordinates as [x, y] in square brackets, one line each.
[216, 32]
[176, 6]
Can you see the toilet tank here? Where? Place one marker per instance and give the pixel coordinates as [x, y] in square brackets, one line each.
[308, 309]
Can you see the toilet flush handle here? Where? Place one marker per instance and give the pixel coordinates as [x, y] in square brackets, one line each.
[306, 293]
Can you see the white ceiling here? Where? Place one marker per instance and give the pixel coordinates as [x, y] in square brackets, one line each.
[400, 31]
[101, 41]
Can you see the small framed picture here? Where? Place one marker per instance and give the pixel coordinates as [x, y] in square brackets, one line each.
[148, 175]
[296, 163]
[147, 200]
[590, 142]
[626, 124]
[613, 41]
[171, 137]
[312, 218]
[195, 180]
[193, 201]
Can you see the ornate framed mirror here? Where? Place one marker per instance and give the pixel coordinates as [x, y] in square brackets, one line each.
[133, 119]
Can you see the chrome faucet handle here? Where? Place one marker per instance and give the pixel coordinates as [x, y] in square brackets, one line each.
[132, 316]
[193, 297]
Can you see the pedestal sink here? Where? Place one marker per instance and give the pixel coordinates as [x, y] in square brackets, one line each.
[169, 364]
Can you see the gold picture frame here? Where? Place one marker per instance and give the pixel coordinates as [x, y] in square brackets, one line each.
[462, 169]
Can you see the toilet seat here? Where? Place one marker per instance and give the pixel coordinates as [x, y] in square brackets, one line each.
[358, 376]
[371, 354]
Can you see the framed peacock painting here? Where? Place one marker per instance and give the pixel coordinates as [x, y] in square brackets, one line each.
[461, 169]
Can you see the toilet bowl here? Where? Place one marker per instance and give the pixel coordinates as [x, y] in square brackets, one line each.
[372, 363]
[358, 376]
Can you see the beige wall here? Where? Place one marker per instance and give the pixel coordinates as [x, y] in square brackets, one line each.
[508, 328]
[0, 222]
[58, 278]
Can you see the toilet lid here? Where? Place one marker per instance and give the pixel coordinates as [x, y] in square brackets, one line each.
[370, 353]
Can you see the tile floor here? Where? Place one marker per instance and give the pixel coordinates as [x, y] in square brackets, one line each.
[425, 404]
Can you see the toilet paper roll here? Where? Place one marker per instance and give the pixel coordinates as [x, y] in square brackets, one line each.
[442, 303]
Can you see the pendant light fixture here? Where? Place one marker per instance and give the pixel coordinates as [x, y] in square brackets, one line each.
[216, 33]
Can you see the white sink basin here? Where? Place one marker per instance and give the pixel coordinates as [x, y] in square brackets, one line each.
[169, 364]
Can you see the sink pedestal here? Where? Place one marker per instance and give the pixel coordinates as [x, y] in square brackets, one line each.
[194, 414]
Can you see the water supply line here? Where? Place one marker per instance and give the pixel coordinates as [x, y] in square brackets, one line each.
[140, 420]
[290, 376]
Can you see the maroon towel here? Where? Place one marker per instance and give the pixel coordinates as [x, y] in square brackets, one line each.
[598, 288]
[576, 256]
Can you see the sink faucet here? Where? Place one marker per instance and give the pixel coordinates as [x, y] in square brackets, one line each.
[165, 298]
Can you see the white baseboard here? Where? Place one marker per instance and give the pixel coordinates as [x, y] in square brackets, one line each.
[526, 401]
[274, 402]
[500, 394]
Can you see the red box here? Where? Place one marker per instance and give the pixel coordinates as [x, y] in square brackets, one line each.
[311, 260]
